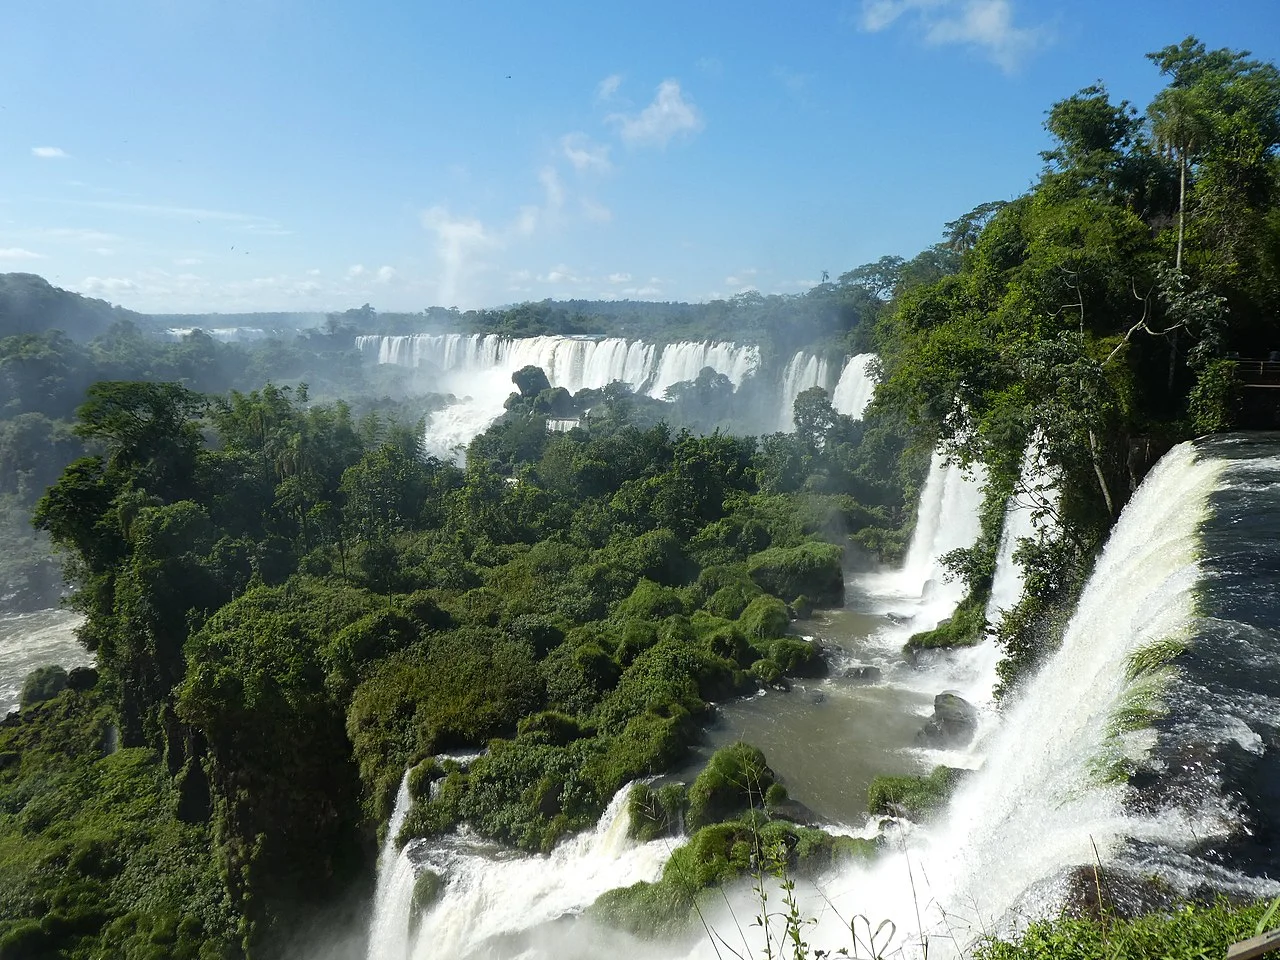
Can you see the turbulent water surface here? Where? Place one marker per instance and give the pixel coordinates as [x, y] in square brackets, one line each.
[35, 640]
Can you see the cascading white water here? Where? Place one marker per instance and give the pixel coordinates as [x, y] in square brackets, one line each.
[1036, 491]
[855, 387]
[478, 369]
[491, 892]
[803, 371]
[918, 593]
[1038, 806]
[389, 927]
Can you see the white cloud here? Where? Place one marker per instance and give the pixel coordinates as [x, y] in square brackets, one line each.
[188, 261]
[596, 212]
[619, 278]
[647, 291]
[584, 154]
[103, 251]
[17, 253]
[108, 285]
[259, 224]
[49, 153]
[668, 116]
[310, 273]
[561, 274]
[607, 88]
[385, 274]
[356, 270]
[984, 25]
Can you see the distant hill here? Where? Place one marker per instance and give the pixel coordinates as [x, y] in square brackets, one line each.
[30, 304]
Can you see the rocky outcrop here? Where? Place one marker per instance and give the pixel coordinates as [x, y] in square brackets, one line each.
[953, 723]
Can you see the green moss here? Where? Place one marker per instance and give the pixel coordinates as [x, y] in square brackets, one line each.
[714, 856]
[734, 780]
[914, 797]
[766, 618]
[812, 569]
[43, 683]
[428, 888]
[654, 813]
[964, 628]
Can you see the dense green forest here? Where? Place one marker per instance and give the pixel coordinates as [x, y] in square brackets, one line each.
[290, 606]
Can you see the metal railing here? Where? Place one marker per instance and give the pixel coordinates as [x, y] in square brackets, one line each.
[1258, 373]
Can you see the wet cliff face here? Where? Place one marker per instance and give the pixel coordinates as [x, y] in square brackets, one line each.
[1218, 747]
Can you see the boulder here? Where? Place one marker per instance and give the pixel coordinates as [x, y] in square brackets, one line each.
[953, 722]
[863, 673]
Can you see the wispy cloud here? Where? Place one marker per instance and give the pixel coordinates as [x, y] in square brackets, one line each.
[49, 153]
[983, 25]
[356, 270]
[385, 274]
[108, 285]
[18, 253]
[619, 278]
[607, 88]
[596, 212]
[668, 116]
[586, 155]
[259, 224]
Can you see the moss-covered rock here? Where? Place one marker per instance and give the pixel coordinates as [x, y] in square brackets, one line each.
[655, 812]
[812, 569]
[718, 854]
[43, 683]
[765, 618]
[734, 780]
[428, 888]
[916, 798]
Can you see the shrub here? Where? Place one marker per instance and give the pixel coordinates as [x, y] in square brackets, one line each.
[914, 797]
[812, 569]
[656, 812]
[43, 683]
[765, 618]
[735, 779]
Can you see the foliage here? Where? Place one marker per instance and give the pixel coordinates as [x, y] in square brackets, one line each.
[41, 684]
[914, 797]
[1184, 933]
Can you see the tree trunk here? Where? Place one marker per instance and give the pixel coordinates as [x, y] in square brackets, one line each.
[1097, 469]
[1182, 207]
[1177, 262]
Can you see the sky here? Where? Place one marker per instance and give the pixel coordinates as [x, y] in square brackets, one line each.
[237, 155]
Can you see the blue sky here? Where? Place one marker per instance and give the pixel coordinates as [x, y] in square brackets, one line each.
[223, 155]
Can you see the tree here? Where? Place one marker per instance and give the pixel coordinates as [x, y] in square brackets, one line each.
[530, 381]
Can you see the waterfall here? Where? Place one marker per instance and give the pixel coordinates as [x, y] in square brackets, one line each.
[490, 892]
[803, 371]
[947, 518]
[1042, 801]
[1036, 488]
[856, 385]
[477, 369]
[389, 928]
